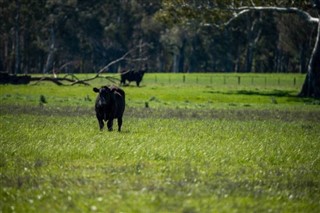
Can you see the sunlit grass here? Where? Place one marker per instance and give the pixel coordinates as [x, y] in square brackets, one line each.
[174, 94]
[66, 164]
[200, 146]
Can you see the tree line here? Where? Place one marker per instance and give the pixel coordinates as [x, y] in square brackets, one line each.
[83, 36]
[75, 36]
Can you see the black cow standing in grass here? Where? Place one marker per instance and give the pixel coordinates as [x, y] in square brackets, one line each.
[132, 75]
[110, 104]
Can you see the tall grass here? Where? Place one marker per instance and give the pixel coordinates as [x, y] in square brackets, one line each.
[63, 163]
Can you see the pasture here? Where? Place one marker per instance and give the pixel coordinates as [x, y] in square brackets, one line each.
[202, 145]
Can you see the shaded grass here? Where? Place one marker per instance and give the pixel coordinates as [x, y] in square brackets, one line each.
[274, 93]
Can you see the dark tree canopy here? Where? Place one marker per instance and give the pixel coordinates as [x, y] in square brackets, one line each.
[182, 36]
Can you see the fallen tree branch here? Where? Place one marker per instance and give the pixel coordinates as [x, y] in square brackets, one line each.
[74, 80]
[57, 81]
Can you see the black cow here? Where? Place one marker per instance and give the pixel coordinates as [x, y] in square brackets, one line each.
[110, 104]
[132, 75]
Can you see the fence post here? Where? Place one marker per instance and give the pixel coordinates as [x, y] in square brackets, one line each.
[294, 81]
[183, 78]
[239, 80]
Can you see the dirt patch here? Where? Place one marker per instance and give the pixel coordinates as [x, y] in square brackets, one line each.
[46, 111]
[241, 114]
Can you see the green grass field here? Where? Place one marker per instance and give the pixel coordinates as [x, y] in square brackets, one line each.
[202, 146]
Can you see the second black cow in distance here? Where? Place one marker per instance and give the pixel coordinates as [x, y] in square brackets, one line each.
[132, 75]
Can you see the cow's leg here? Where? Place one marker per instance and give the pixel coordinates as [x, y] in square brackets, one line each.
[119, 124]
[101, 124]
[110, 124]
[123, 82]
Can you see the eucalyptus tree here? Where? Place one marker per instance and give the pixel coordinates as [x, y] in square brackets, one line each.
[20, 29]
[223, 13]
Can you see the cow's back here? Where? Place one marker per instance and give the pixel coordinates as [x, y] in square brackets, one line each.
[119, 100]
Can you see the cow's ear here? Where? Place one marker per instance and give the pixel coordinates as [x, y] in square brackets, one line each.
[96, 89]
[107, 88]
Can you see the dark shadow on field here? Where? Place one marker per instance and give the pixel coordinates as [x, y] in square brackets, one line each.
[132, 85]
[274, 93]
[124, 132]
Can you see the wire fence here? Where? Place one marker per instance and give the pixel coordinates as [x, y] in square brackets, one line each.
[290, 80]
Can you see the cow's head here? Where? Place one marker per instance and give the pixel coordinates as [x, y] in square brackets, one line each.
[104, 95]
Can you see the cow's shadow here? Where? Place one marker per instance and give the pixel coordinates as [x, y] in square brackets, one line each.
[125, 132]
[105, 131]
[131, 85]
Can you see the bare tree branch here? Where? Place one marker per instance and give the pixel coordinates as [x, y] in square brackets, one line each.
[122, 57]
[252, 3]
[74, 63]
[137, 59]
[114, 62]
[244, 10]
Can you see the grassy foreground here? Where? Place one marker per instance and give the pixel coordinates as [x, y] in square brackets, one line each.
[188, 152]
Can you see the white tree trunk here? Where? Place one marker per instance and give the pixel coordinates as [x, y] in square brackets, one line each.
[311, 86]
[49, 61]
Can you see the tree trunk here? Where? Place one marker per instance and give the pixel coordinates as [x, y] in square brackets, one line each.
[253, 35]
[303, 60]
[49, 62]
[311, 86]
[160, 62]
[17, 39]
[176, 62]
[181, 53]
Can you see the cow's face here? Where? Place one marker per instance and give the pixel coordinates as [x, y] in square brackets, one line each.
[103, 96]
